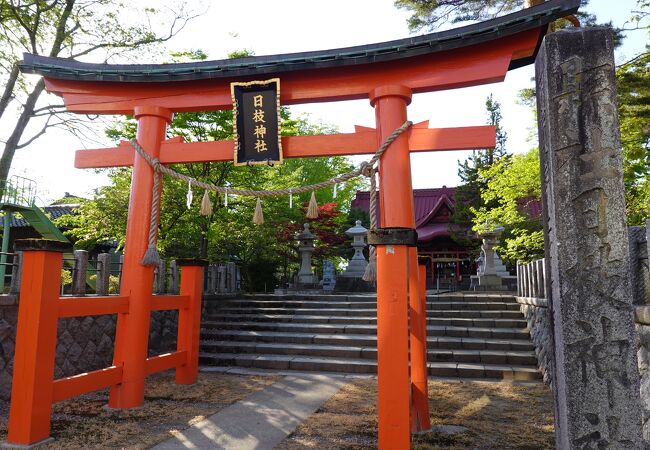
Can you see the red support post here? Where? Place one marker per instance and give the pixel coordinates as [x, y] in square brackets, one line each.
[425, 421]
[418, 341]
[33, 375]
[189, 319]
[132, 333]
[396, 204]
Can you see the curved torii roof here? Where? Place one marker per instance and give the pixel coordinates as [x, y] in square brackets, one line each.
[459, 57]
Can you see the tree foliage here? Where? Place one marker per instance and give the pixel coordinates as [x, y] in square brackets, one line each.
[512, 187]
[468, 194]
[429, 15]
[102, 30]
[634, 111]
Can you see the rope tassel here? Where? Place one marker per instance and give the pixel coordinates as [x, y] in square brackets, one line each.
[151, 257]
[258, 217]
[370, 274]
[312, 210]
[206, 205]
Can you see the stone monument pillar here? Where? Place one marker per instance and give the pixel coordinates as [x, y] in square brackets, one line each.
[357, 265]
[329, 275]
[596, 382]
[306, 249]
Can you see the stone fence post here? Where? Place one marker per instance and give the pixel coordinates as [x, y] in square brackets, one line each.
[159, 277]
[596, 382]
[222, 278]
[213, 275]
[103, 273]
[16, 272]
[173, 277]
[79, 272]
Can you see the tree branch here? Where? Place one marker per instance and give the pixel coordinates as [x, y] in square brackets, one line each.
[61, 34]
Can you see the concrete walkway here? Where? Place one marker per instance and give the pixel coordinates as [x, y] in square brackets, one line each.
[261, 420]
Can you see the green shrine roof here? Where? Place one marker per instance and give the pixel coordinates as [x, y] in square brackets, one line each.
[535, 17]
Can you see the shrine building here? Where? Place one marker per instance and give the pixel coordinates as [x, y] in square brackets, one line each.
[450, 263]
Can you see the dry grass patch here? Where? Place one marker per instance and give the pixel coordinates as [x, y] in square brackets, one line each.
[85, 422]
[496, 415]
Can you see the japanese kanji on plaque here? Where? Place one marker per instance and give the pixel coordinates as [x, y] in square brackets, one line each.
[256, 105]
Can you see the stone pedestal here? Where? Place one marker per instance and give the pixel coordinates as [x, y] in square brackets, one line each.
[357, 265]
[492, 270]
[596, 383]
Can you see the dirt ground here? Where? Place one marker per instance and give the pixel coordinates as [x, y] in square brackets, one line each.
[497, 416]
[85, 422]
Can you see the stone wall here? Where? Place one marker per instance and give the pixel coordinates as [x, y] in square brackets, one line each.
[83, 344]
[538, 317]
[8, 319]
[643, 356]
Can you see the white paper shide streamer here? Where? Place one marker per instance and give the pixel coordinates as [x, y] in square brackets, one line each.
[190, 195]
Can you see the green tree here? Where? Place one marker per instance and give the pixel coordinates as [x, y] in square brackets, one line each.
[431, 14]
[633, 79]
[68, 29]
[468, 194]
[512, 187]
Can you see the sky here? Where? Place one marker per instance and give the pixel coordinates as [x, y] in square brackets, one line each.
[287, 26]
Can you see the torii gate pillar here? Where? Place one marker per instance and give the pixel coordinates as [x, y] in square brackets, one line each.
[396, 205]
[132, 333]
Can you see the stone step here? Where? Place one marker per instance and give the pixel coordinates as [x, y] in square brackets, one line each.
[349, 351]
[327, 312]
[266, 308]
[326, 304]
[371, 298]
[357, 365]
[432, 330]
[483, 306]
[456, 313]
[440, 321]
[313, 297]
[293, 304]
[471, 297]
[364, 340]
[321, 328]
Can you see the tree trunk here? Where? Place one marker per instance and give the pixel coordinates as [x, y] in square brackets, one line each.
[9, 89]
[14, 140]
[204, 240]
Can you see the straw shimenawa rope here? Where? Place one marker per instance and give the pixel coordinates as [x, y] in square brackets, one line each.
[366, 168]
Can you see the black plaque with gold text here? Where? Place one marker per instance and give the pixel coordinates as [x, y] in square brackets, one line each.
[256, 106]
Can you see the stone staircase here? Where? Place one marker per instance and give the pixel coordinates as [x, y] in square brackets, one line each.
[469, 335]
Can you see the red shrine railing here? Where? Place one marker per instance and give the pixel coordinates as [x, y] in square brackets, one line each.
[34, 388]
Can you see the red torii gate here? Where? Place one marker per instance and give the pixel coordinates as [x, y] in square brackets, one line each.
[387, 74]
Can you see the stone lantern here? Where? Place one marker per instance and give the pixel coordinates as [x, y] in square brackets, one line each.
[306, 248]
[357, 265]
[490, 239]
[492, 271]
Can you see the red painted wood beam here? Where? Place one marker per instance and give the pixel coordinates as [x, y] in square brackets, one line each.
[168, 302]
[469, 66]
[165, 361]
[92, 306]
[362, 142]
[68, 387]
